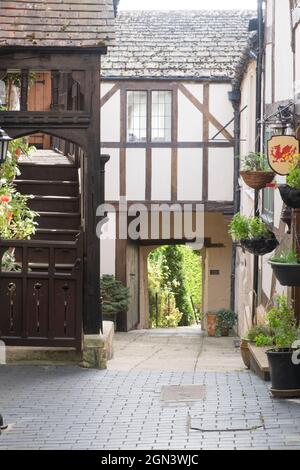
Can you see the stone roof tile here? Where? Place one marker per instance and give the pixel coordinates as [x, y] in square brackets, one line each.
[177, 44]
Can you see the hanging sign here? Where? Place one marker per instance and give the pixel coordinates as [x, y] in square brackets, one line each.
[282, 151]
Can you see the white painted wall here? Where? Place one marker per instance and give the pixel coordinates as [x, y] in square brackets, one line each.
[190, 174]
[283, 51]
[136, 174]
[112, 175]
[268, 74]
[221, 174]
[161, 174]
[190, 119]
[110, 119]
[220, 107]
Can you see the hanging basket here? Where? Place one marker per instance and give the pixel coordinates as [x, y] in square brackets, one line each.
[260, 246]
[287, 274]
[290, 196]
[257, 179]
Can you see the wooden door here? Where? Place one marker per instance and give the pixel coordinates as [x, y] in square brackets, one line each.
[133, 284]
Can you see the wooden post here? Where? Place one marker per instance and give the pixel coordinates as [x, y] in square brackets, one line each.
[296, 235]
[24, 89]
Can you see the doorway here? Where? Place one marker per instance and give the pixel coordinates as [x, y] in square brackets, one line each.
[174, 286]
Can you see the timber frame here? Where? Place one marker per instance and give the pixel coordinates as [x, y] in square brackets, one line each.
[80, 127]
[175, 86]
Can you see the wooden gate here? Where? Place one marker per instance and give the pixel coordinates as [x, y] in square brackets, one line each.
[41, 299]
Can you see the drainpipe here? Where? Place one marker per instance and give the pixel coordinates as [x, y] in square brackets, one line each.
[235, 98]
[259, 74]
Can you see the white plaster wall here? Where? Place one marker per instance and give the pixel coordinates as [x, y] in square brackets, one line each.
[112, 174]
[268, 72]
[248, 116]
[110, 115]
[269, 13]
[189, 180]
[283, 52]
[108, 246]
[161, 174]
[221, 174]
[136, 174]
[190, 119]
[220, 107]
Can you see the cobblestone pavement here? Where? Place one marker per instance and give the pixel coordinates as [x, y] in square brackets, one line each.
[65, 407]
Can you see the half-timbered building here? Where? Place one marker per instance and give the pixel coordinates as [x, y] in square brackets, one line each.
[167, 124]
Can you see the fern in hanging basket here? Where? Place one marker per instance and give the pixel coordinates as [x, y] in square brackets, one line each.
[253, 235]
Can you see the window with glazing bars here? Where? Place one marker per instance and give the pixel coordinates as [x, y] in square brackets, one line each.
[138, 103]
[136, 116]
[161, 128]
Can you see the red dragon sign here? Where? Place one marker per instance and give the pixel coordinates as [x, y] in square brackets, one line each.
[281, 153]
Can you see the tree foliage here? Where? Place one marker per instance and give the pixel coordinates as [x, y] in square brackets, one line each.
[175, 276]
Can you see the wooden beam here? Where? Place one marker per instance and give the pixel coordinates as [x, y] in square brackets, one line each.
[203, 109]
[109, 94]
[205, 174]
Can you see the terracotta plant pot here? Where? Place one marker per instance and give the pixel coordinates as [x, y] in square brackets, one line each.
[290, 196]
[257, 179]
[287, 274]
[245, 353]
[211, 319]
[260, 246]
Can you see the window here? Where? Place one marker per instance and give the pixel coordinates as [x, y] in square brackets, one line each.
[139, 104]
[161, 116]
[136, 116]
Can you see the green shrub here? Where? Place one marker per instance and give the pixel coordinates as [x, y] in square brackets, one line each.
[115, 295]
[281, 320]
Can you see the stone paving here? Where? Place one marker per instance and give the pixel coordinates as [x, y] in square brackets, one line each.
[65, 407]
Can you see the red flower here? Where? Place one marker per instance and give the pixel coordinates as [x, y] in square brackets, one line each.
[18, 152]
[5, 199]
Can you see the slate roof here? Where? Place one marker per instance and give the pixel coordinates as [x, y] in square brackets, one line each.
[84, 23]
[177, 44]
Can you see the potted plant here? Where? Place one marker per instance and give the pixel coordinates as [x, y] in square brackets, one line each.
[286, 267]
[225, 321]
[290, 192]
[256, 171]
[284, 366]
[253, 234]
[219, 323]
[115, 298]
[260, 335]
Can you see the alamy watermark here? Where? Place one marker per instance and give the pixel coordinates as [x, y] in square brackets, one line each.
[153, 222]
[296, 354]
